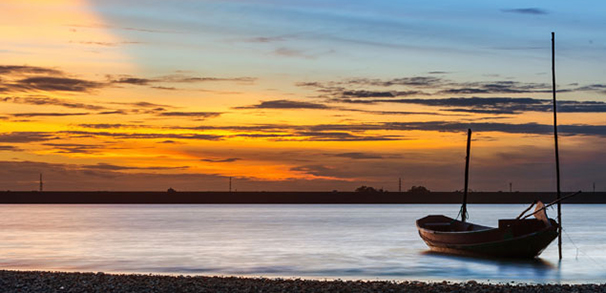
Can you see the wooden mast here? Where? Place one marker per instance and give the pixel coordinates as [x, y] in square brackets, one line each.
[464, 207]
[555, 133]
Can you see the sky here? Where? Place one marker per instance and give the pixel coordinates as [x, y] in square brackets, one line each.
[300, 95]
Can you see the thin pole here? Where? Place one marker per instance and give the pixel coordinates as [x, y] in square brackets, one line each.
[41, 184]
[549, 204]
[464, 208]
[555, 134]
[400, 185]
[229, 184]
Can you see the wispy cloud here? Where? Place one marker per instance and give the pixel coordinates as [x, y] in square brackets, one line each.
[51, 84]
[379, 94]
[107, 44]
[505, 105]
[109, 125]
[132, 135]
[359, 156]
[27, 137]
[23, 70]
[48, 114]
[347, 91]
[112, 167]
[532, 11]
[285, 104]
[198, 115]
[72, 148]
[10, 148]
[45, 101]
[227, 160]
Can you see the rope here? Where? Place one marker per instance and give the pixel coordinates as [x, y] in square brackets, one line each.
[579, 250]
[460, 212]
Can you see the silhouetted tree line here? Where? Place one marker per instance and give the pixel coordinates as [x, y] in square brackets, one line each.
[369, 189]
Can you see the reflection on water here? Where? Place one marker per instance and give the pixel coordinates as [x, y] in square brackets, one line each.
[515, 269]
[321, 241]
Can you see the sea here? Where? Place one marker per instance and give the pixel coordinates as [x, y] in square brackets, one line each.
[332, 241]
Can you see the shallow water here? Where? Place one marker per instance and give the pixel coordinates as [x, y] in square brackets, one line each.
[310, 241]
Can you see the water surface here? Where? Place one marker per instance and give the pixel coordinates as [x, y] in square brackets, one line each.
[310, 241]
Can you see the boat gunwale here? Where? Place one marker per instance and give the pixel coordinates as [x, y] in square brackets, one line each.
[447, 245]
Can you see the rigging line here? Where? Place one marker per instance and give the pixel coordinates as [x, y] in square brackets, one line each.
[583, 252]
[461, 211]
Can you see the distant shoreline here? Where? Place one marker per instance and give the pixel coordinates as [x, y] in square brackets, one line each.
[38, 281]
[286, 197]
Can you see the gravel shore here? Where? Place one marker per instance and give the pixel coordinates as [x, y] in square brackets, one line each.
[32, 281]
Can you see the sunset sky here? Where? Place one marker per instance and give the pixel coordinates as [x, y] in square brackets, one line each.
[299, 95]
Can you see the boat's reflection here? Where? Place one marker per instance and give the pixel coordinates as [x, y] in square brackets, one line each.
[538, 262]
[536, 269]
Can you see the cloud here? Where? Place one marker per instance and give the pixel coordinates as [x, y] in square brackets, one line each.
[121, 135]
[199, 115]
[108, 125]
[340, 136]
[359, 156]
[288, 52]
[109, 44]
[532, 11]
[47, 114]
[499, 105]
[525, 128]
[496, 87]
[228, 160]
[68, 148]
[27, 137]
[105, 166]
[120, 112]
[47, 83]
[369, 90]
[379, 94]
[10, 148]
[265, 39]
[316, 170]
[143, 104]
[166, 88]
[21, 70]
[285, 104]
[195, 79]
[32, 78]
[353, 132]
[133, 80]
[44, 101]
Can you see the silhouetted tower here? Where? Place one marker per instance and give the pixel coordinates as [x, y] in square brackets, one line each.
[510, 187]
[594, 187]
[41, 184]
[229, 184]
[400, 185]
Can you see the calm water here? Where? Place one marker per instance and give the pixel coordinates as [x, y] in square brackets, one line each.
[314, 241]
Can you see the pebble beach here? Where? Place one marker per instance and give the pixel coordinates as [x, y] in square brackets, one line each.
[38, 281]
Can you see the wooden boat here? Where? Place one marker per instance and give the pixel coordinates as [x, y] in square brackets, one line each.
[513, 238]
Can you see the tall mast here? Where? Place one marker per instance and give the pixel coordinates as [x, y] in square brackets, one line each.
[464, 207]
[555, 134]
[41, 184]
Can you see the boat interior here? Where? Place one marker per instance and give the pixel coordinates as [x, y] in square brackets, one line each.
[442, 223]
[445, 224]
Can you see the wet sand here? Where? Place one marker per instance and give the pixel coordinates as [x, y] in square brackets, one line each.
[35, 281]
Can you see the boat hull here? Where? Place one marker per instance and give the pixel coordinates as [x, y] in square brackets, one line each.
[512, 239]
